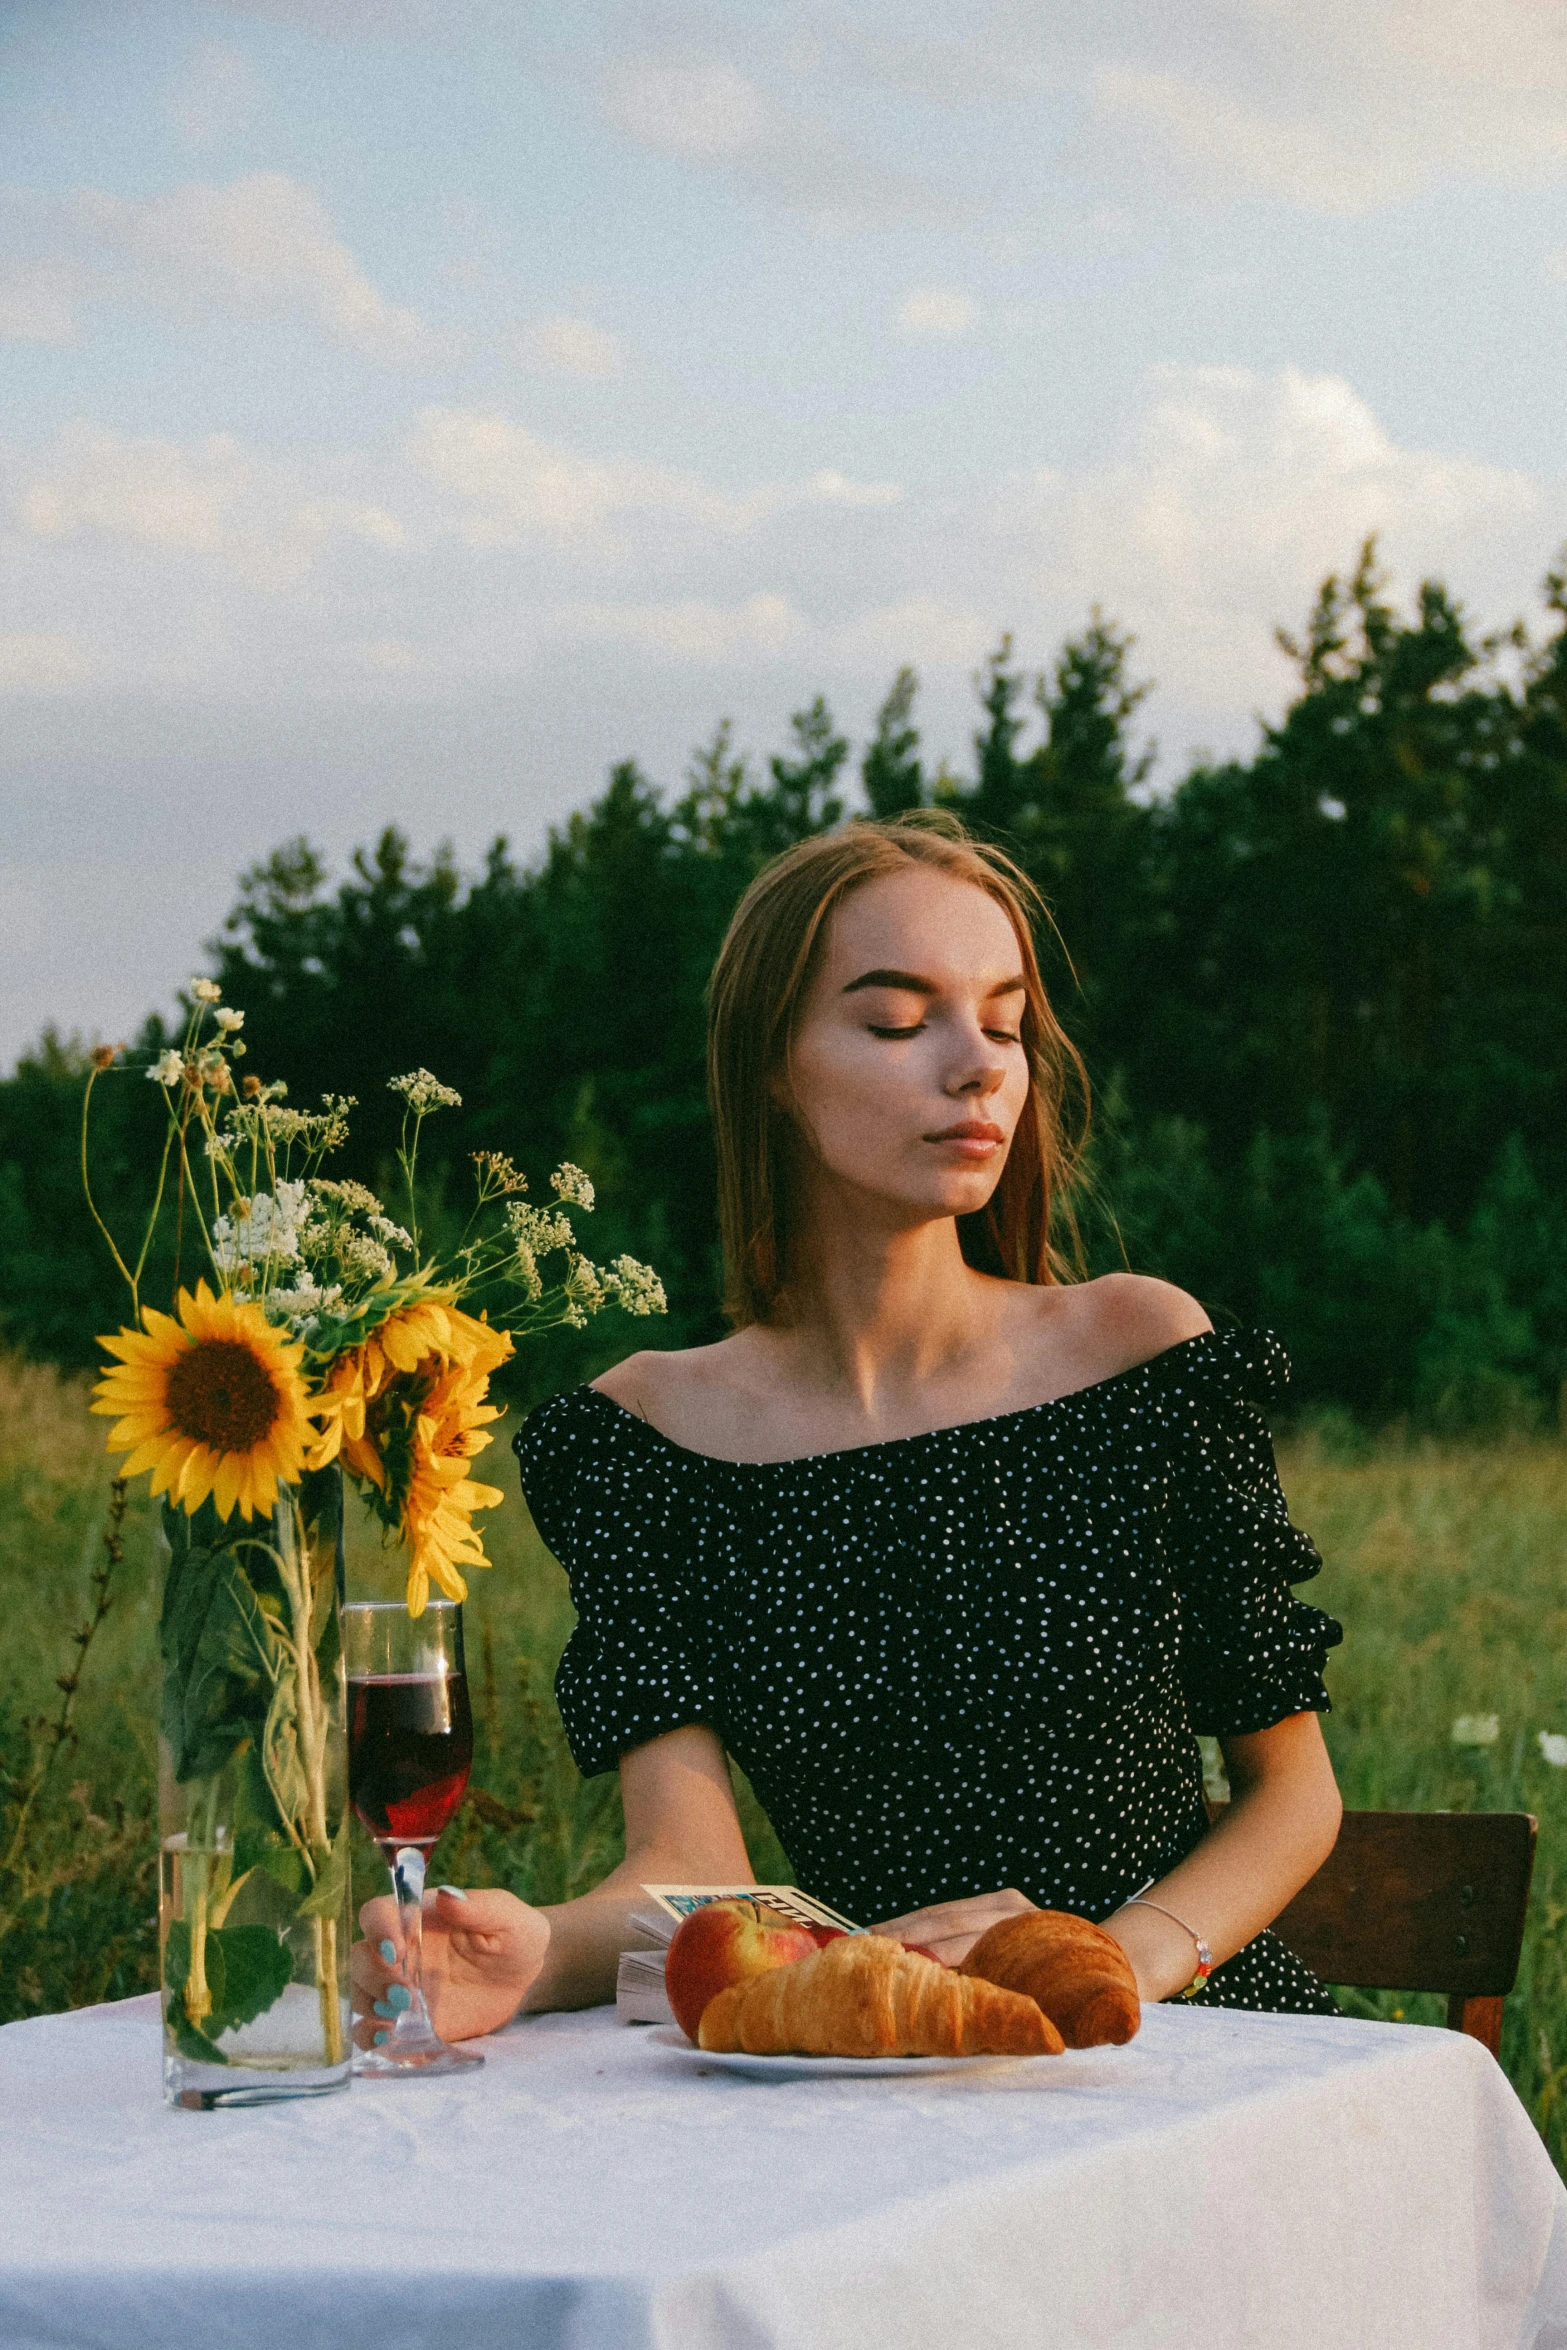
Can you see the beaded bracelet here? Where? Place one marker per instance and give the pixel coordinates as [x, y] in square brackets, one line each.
[1204, 1954]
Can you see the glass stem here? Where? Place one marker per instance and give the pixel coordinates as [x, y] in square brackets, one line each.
[407, 1864]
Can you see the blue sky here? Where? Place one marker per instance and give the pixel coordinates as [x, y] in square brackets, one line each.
[413, 405]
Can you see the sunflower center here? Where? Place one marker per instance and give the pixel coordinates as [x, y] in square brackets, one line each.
[220, 1393]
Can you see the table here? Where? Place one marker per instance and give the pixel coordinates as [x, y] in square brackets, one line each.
[1228, 2182]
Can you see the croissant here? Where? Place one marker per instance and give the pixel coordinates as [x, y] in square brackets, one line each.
[1079, 1974]
[865, 1995]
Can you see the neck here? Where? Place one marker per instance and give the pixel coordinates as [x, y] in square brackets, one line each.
[877, 1306]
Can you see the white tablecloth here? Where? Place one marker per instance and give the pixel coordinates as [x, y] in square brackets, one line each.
[1228, 2182]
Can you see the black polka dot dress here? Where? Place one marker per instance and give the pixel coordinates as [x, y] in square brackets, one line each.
[959, 1661]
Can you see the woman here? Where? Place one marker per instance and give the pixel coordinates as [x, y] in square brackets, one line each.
[952, 1555]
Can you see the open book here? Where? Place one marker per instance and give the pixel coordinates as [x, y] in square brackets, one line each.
[640, 1997]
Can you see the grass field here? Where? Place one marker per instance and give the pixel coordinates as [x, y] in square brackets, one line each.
[1445, 1564]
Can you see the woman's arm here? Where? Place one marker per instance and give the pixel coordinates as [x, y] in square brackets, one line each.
[1275, 1833]
[487, 1954]
[681, 1828]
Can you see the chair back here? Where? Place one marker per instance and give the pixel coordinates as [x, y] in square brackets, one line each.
[1421, 1901]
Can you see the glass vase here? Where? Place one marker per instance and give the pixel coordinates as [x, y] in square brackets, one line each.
[253, 1896]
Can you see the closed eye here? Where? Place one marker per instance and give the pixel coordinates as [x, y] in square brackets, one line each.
[1001, 1035]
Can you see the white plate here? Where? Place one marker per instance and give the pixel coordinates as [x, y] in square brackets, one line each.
[816, 2068]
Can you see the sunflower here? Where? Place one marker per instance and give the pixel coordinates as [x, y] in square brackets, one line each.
[441, 1499]
[340, 1409]
[417, 1342]
[407, 1339]
[211, 1403]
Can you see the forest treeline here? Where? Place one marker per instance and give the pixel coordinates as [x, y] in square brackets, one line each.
[1322, 993]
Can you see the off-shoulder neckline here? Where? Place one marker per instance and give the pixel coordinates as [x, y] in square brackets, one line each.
[806, 1460]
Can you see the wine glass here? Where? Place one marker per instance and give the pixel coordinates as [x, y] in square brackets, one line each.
[410, 1749]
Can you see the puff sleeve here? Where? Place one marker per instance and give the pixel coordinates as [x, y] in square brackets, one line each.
[638, 1662]
[1251, 1654]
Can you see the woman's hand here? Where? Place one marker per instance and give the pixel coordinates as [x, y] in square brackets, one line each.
[482, 1950]
[950, 1929]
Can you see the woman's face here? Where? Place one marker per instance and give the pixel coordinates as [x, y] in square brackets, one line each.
[908, 1075]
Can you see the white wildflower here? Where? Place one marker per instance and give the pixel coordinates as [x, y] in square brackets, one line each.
[204, 991]
[262, 1230]
[1553, 1746]
[303, 1305]
[635, 1287]
[346, 1193]
[538, 1229]
[572, 1186]
[392, 1234]
[1477, 1730]
[498, 1173]
[168, 1068]
[526, 1272]
[585, 1284]
[357, 1253]
[230, 1022]
[423, 1092]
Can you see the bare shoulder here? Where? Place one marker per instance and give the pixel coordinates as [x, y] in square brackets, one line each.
[658, 1379]
[1124, 1319]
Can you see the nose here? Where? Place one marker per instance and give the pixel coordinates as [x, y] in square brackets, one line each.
[981, 1070]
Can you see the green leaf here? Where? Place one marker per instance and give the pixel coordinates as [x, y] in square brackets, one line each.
[280, 1757]
[257, 1967]
[262, 1848]
[222, 1659]
[192, 2041]
[187, 2039]
[176, 1956]
[332, 1863]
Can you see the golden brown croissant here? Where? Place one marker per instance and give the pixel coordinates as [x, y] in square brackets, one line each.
[865, 1995]
[1078, 1973]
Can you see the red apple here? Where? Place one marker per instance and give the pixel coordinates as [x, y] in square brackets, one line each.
[726, 1942]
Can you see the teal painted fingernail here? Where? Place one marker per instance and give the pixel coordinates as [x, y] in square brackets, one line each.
[380, 2039]
[389, 1953]
[455, 1891]
[381, 2008]
[399, 1998]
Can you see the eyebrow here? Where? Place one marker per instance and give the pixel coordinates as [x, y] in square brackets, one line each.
[910, 983]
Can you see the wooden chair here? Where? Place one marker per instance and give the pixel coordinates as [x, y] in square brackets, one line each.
[1421, 1901]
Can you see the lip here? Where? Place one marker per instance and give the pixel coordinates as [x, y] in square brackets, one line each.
[975, 1137]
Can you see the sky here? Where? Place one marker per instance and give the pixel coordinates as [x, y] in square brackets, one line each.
[411, 407]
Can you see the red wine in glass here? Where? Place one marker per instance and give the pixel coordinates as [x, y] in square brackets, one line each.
[410, 1749]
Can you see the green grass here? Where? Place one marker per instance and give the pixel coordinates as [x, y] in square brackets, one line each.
[1445, 1564]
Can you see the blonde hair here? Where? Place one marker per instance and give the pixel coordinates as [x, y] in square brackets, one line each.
[759, 983]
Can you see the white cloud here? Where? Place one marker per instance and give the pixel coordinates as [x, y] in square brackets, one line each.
[935, 314]
[923, 631]
[216, 95]
[511, 485]
[764, 626]
[829, 488]
[42, 662]
[699, 108]
[573, 346]
[210, 498]
[1336, 107]
[1243, 492]
[38, 302]
[387, 656]
[263, 245]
